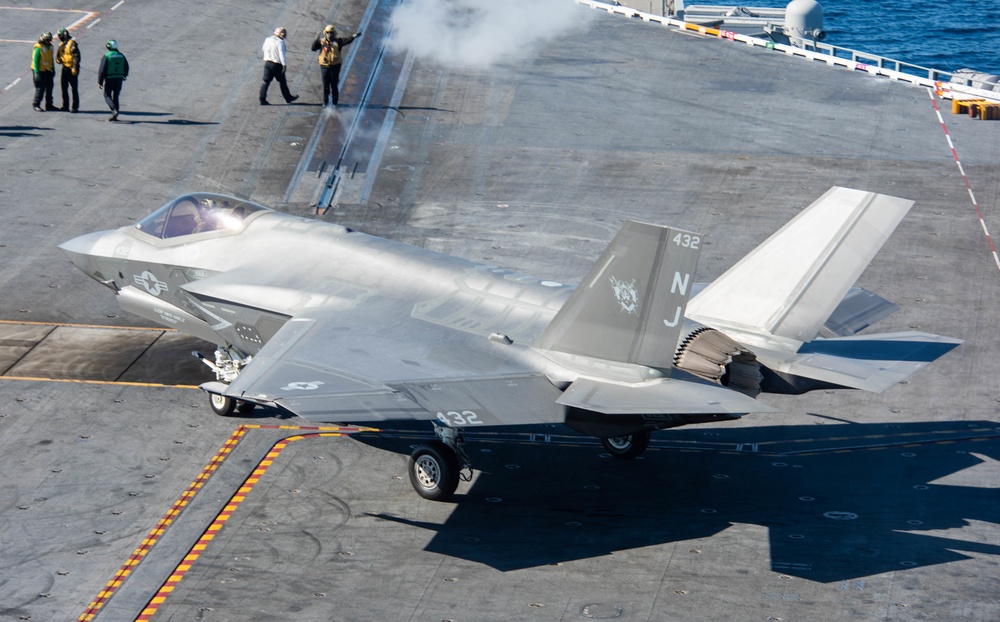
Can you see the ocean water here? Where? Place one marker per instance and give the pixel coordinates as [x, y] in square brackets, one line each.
[942, 34]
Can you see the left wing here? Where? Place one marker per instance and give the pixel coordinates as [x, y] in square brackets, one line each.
[341, 366]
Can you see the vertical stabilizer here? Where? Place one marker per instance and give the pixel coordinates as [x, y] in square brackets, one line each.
[630, 307]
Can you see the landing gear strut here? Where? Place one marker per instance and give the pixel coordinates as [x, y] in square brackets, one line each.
[436, 467]
[227, 365]
[628, 446]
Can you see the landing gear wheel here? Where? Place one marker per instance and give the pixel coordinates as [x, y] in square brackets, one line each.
[433, 469]
[628, 446]
[221, 405]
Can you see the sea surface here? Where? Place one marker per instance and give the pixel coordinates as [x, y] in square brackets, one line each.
[938, 34]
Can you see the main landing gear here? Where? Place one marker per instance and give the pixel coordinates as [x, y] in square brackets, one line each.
[436, 467]
[628, 446]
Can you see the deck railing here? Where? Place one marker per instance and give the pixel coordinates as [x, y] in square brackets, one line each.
[963, 87]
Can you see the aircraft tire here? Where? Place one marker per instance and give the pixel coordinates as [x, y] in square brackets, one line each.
[628, 446]
[433, 469]
[221, 405]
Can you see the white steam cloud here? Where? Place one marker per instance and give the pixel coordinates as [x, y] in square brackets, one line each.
[480, 33]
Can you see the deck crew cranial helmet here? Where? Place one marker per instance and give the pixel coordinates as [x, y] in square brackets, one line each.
[111, 45]
[280, 32]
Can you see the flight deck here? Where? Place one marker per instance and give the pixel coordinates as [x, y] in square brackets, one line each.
[126, 498]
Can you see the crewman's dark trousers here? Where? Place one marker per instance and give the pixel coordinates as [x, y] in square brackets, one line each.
[69, 81]
[112, 89]
[43, 89]
[274, 71]
[331, 79]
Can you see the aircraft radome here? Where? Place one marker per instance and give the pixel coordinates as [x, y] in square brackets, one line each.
[335, 325]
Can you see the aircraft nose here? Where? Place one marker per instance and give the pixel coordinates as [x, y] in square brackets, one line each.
[83, 251]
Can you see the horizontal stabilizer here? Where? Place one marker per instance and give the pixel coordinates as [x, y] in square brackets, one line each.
[858, 310]
[868, 362]
[661, 396]
[790, 284]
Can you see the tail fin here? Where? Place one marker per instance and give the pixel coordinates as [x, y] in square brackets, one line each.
[789, 285]
[630, 307]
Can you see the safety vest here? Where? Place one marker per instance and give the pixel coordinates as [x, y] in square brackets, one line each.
[115, 64]
[41, 57]
[329, 53]
[67, 54]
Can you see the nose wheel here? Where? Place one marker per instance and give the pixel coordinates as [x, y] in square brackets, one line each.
[224, 406]
[221, 405]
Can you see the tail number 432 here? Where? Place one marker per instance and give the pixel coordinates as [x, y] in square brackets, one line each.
[456, 418]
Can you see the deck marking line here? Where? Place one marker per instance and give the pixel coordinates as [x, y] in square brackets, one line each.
[230, 507]
[157, 531]
[161, 329]
[968, 186]
[119, 383]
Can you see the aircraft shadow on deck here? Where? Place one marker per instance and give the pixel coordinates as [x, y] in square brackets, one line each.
[833, 513]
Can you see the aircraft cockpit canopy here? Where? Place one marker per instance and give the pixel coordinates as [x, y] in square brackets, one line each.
[199, 212]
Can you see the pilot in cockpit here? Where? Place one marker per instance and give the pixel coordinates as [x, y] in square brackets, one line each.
[197, 213]
[207, 218]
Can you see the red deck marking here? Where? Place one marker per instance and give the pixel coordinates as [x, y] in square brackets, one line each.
[968, 186]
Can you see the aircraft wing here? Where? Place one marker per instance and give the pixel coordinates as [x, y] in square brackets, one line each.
[339, 366]
[662, 396]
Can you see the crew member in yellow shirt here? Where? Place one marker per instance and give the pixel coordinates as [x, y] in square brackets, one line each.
[330, 58]
[68, 55]
[43, 71]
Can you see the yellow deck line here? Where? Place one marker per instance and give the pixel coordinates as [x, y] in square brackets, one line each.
[121, 383]
[68, 325]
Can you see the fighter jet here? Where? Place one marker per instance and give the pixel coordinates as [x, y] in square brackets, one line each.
[334, 325]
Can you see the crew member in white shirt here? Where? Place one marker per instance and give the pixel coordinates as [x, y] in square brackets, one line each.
[274, 66]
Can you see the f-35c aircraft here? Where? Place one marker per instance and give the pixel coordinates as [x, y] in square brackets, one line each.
[334, 325]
